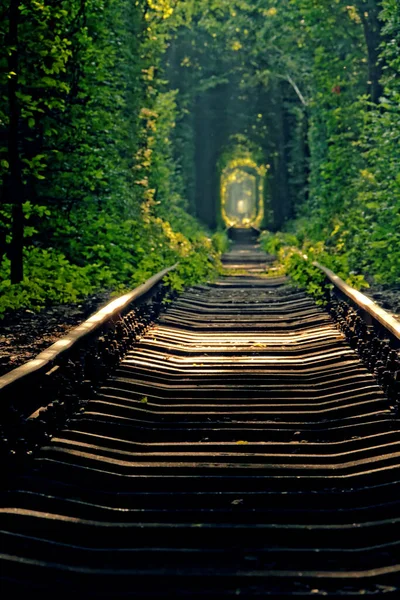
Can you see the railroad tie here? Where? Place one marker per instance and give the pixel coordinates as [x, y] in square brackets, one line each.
[240, 449]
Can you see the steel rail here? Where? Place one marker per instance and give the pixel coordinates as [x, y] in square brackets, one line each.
[46, 360]
[372, 312]
[363, 302]
[239, 446]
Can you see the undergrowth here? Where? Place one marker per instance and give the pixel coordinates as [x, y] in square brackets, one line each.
[118, 264]
[297, 256]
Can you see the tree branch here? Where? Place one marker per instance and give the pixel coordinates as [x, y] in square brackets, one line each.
[296, 89]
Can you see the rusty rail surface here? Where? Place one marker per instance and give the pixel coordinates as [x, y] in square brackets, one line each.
[242, 447]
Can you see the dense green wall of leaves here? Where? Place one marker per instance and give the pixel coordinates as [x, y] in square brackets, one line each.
[91, 194]
[351, 219]
[315, 86]
[116, 116]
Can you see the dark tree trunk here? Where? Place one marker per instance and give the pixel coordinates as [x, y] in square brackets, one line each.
[369, 13]
[212, 133]
[203, 158]
[16, 186]
[279, 179]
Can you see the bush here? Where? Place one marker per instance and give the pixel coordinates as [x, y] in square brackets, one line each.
[297, 255]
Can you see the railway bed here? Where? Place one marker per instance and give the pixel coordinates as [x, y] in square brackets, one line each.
[240, 448]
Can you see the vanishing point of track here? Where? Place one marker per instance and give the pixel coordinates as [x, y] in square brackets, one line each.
[239, 449]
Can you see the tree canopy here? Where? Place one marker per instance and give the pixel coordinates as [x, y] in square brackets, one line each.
[118, 119]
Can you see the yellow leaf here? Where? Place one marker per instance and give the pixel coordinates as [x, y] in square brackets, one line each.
[236, 46]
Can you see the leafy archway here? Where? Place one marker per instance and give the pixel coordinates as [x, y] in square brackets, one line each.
[242, 191]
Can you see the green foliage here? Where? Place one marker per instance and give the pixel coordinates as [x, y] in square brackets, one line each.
[199, 265]
[305, 274]
[296, 264]
[105, 205]
[221, 242]
[274, 242]
[312, 88]
[297, 255]
[49, 278]
[118, 258]
[129, 111]
[349, 216]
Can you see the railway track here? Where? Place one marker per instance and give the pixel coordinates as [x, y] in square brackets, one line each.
[240, 448]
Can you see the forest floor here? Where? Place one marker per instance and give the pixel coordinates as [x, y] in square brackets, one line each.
[23, 333]
[388, 297]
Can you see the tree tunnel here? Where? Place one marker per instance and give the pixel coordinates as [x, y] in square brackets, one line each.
[242, 193]
[240, 201]
[220, 120]
[221, 106]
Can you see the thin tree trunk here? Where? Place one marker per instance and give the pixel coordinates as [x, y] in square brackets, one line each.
[369, 12]
[281, 200]
[16, 186]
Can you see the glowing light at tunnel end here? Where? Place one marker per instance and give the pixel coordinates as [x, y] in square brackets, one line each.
[228, 177]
